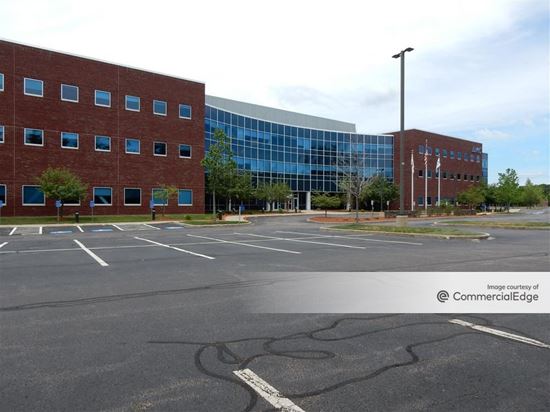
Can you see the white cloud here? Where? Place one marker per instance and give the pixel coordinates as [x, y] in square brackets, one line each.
[489, 134]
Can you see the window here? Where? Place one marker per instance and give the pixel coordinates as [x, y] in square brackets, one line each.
[466, 158]
[437, 151]
[103, 196]
[471, 178]
[1, 82]
[444, 175]
[3, 196]
[452, 154]
[429, 149]
[458, 155]
[429, 201]
[33, 87]
[185, 111]
[458, 176]
[421, 149]
[159, 149]
[420, 200]
[159, 107]
[429, 174]
[420, 173]
[132, 146]
[185, 197]
[478, 158]
[185, 150]
[34, 137]
[2, 134]
[69, 140]
[452, 176]
[158, 198]
[472, 158]
[102, 98]
[132, 103]
[69, 93]
[72, 202]
[132, 197]
[33, 196]
[444, 152]
[103, 143]
[477, 178]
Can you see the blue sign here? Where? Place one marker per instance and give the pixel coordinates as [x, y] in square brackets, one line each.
[151, 204]
[58, 203]
[1, 203]
[241, 207]
[92, 204]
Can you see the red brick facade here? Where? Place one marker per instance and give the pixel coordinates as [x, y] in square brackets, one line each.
[450, 187]
[20, 164]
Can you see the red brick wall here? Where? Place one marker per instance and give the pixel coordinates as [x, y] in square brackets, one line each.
[449, 188]
[20, 164]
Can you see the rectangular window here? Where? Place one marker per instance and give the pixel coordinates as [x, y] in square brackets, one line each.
[437, 151]
[444, 175]
[429, 200]
[452, 154]
[477, 178]
[69, 93]
[103, 196]
[158, 198]
[458, 155]
[420, 200]
[102, 98]
[34, 137]
[69, 140]
[1, 82]
[159, 149]
[132, 103]
[421, 149]
[159, 107]
[429, 149]
[185, 111]
[185, 197]
[132, 197]
[429, 174]
[33, 196]
[72, 202]
[420, 173]
[132, 146]
[3, 196]
[471, 178]
[103, 143]
[466, 158]
[185, 151]
[2, 134]
[478, 159]
[452, 176]
[458, 176]
[444, 152]
[33, 87]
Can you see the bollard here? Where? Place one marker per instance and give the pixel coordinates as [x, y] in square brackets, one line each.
[77, 217]
[153, 214]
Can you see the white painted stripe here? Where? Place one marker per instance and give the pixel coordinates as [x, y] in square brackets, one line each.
[59, 232]
[175, 248]
[3, 244]
[12, 231]
[500, 333]
[173, 227]
[118, 227]
[40, 230]
[153, 227]
[303, 241]
[102, 230]
[92, 254]
[79, 228]
[246, 244]
[266, 391]
[355, 237]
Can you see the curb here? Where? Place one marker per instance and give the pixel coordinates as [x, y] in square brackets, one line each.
[187, 225]
[482, 235]
[496, 227]
[87, 224]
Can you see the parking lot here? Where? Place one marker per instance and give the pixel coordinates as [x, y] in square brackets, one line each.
[152, 317]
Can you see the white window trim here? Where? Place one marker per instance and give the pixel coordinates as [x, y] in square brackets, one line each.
[153, 197]
[3, 79]
[72, 204]
[101, 150]
[5, 193]
[190, 111]
[165, 105]
[185, 204]
[126, 147]
[102, 187]
[132, 188]
[69, 100]
[126, 103]
[99, 104]
[69, 147]
[23, 197]
[3, 134]
[190, 151]
[165, 146]
[25, 88]
[32, 144]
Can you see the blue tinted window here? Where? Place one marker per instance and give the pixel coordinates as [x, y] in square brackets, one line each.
[2, 132]
[459, 155]
[420, 200]
[132, 197]
[437, 151]
[452, 154]
[185, 111]
[103, 196]
[159, 107]
[132, 146]
[185, 150]
[132, 103]
[185, 197]
[34, 137]
[103, 143]
[159, 148]
[32, 195]
[466, 157]
[69, 93]
[69, 140]
[158, 197]
[444, 152]
[102, 98]
[3, 194]
[1, 82]
[34, 87]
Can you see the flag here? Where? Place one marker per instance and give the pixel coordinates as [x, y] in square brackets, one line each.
[438, 164]
[412, 162]
[426, 155]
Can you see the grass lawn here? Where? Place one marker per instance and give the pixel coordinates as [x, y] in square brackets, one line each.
[501, 224]
[406, 229]
[43, 220]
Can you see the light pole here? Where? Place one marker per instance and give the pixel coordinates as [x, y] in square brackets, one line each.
[401, 55]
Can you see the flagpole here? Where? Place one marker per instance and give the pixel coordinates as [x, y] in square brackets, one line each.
[439, 183]
[426, 177]
[412, 180]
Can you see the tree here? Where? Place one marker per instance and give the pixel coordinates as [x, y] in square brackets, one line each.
[241, 187]
[508, 188]
[352, 177]
[282, 192]
[531, 195]
[380, 189]
[325, 201]
[62, 184]
[265, 191]
[473, 196]
[219, 165]
[165, 193]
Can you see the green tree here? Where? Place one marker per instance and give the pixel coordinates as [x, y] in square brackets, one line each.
[241, 187]
[531, 195]
[380, 189]
[508, 188]
[62, 184]
[282, 192]
[325, 201]
[220, 166]
[165, 193]
[265, 191]
[473, 196]
[353, 178]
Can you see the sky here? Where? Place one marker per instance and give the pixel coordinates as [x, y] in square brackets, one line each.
[479, 69]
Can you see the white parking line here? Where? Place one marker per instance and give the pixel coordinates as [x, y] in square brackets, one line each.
[153, 227]
[12, 231]
[355, 237]
[92, 254]
[118, 227]
[302, 241]
[175, 248]
[3, 244]
[79, 228]
[500, 333]
[246, 244]
[40, 230]
[266, 391]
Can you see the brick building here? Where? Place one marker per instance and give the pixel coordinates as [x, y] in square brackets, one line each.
[461, 166]
[124, 131]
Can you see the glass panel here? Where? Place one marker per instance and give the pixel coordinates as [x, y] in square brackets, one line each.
[34, 87]
[132, 146]
[132, 103]
[159, 107]
[1, 81]
[160, 149]
[103, 143]
[185, 111]
[185, 197]
[102, 98]
[69, 93]
[102, 195]
[1, 134]
[32, 195]
[34, 136]
[157, 198]
[132, 196]
[185, 150]
[3, 193]
[69, 140]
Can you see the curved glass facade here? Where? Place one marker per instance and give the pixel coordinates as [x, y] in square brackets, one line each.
[307, 159]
